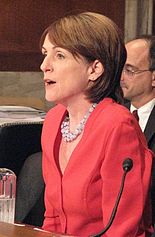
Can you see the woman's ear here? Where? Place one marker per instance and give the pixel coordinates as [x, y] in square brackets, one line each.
[96, 69]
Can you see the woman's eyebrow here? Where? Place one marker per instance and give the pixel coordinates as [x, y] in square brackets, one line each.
[54, 47]
[43, 48]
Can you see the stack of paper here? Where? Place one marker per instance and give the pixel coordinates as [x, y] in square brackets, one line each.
[11, 114]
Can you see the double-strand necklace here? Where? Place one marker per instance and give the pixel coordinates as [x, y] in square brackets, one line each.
[65, 130]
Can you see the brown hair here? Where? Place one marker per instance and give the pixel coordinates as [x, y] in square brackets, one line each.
[94, 36]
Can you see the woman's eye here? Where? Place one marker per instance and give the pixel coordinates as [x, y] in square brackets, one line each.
[60, 56]
[44, 53]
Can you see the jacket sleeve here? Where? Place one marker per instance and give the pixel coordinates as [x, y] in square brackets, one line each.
[133, 213]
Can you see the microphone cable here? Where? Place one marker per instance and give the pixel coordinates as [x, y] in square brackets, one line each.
[127, 166]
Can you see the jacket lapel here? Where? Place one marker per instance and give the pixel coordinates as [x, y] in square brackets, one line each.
[150, 127]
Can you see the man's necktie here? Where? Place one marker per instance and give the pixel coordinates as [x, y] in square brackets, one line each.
[135, 113]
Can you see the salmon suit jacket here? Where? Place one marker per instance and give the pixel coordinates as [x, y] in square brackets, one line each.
[80, 201]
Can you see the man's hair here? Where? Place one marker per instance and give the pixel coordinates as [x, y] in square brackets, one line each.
[94, 36]
[150, 40]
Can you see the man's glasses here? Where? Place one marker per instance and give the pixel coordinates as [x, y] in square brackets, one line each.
[132, 72]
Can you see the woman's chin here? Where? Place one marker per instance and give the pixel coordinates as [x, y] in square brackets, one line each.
[50, 98]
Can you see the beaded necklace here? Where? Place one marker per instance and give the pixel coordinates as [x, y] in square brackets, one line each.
[65, 131]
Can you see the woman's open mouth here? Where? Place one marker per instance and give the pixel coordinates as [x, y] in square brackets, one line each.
[49, 82]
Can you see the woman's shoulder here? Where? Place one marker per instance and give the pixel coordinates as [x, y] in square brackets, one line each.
[114, 111]
[54, 116]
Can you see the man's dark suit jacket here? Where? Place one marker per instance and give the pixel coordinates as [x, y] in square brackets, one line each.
[149, 133]
[150, 137]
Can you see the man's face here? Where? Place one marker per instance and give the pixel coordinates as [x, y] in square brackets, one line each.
[137, 86]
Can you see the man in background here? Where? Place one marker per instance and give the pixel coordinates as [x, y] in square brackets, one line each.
[138, 85]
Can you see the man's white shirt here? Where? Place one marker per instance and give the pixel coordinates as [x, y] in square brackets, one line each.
[144, 113]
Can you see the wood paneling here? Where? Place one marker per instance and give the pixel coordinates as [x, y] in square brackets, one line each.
[153, 24]
[23, 21]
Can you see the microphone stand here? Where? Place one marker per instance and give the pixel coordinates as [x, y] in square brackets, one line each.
[127, 166]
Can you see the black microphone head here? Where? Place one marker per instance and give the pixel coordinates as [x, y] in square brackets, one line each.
[127, 164]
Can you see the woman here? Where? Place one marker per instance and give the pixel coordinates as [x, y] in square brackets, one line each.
[87, 135]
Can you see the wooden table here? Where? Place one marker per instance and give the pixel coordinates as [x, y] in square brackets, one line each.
[17, 230]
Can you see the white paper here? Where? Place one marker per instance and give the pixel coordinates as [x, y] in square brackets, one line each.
[13, 114]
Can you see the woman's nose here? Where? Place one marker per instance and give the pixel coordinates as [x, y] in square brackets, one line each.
[45, 66]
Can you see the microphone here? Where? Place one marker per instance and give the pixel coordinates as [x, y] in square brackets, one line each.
[127, 166]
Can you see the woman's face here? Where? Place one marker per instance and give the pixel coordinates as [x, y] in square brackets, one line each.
[65, 77]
